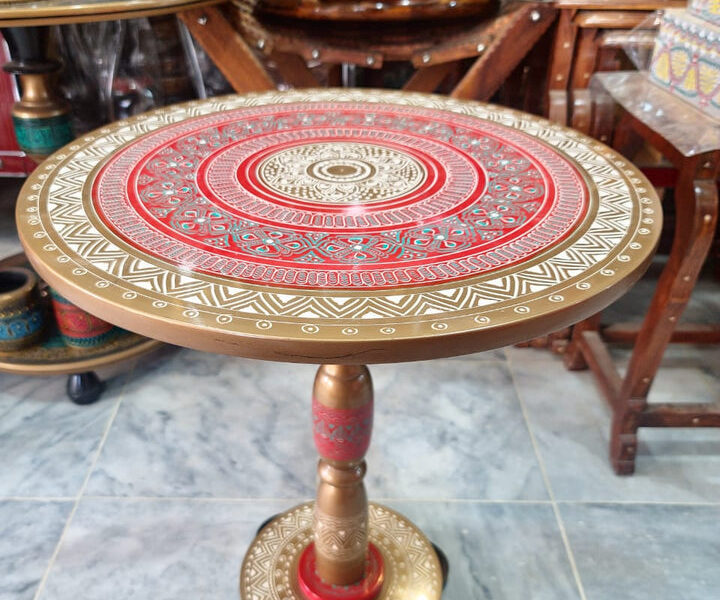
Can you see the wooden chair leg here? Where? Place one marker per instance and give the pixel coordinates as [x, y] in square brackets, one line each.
[623, 437]
[697, 206]
[573, 356]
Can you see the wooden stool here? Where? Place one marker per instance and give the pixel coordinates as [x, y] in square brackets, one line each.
[691, 141]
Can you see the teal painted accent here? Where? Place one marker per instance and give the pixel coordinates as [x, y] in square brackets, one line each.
[93, 342]
[21, 325]
[43, 136]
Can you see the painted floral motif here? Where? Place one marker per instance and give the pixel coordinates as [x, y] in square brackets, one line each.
[339, 198]
[686, 59]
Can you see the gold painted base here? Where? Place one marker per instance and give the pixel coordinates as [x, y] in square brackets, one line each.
[412, 569]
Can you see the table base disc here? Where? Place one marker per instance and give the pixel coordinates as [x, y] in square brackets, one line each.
[269, 571]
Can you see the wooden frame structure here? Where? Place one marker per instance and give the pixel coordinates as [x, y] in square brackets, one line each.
[696, 202]
[495, 48]
[587, 38]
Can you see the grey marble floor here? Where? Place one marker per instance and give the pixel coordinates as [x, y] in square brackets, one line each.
[155, 492]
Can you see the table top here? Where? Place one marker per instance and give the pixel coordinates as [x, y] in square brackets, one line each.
[339, 226]
[20, 13]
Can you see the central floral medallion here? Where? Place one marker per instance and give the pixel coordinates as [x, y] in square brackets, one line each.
[341, 173]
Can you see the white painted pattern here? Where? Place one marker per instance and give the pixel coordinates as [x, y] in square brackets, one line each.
[610, 230]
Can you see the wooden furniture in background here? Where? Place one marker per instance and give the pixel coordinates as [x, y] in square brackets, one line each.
[470, 56]
[589, 37]
[690, 140]
[51, 356]
[41, 117]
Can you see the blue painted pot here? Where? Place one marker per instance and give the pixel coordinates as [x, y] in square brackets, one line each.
[22, 314]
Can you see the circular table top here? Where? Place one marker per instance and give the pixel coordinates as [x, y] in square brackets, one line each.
[21, 13]
[339, 225]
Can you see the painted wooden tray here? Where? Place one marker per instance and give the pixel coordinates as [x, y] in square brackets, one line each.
[53, 357]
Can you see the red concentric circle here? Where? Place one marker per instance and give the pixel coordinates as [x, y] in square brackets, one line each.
[339, 196]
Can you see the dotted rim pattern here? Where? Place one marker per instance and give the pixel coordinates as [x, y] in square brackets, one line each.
[607, 252]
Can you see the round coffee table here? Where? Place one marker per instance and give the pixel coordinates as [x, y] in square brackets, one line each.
[340, 228]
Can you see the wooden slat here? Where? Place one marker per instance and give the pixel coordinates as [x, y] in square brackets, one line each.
[527, 25]
[609, 19]
[294, 70]
[599, 360]
[227, 49]
[680, 415]
[683, 334]
[429, 78]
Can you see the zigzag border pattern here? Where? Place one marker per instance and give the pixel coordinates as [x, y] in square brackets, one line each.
[53, 205]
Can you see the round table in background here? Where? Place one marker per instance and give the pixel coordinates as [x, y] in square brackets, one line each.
[342, 228]
[28, 13]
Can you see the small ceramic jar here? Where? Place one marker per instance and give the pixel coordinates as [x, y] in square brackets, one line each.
[79, 329]
[22, 314]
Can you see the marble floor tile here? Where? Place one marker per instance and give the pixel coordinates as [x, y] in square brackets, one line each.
[155, 549]
[450, 429]
[571, 423]
[29, 533]
[47, 443]
[169, 549]
[204, 425]
[497, 551]
[645, 552]
[197, 424]
[496, 354]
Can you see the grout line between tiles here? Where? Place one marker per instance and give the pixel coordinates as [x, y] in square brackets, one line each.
[37, 498]
[83, 487]
[206, 499]
[548, 486]
[638, 503]
[239, 500]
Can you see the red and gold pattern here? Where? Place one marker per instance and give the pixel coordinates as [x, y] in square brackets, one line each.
[77, 327]
[339, 197]
[342, 433]
[313, 588]
[562, 223]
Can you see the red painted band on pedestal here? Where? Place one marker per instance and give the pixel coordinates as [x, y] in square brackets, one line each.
[314, 588]
[342, 433]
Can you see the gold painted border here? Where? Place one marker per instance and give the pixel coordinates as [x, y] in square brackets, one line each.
[385, 340]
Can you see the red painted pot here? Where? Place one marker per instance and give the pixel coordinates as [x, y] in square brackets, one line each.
[78, 328]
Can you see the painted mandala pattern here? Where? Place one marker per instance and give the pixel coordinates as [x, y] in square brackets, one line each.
[323, 196]
[340, 173]
[172, 229]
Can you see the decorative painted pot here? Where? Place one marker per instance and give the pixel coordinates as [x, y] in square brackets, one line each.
[78, 328]
[22, 315]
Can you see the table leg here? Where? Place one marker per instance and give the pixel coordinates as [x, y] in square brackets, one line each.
[341, 546]
[84, 388]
